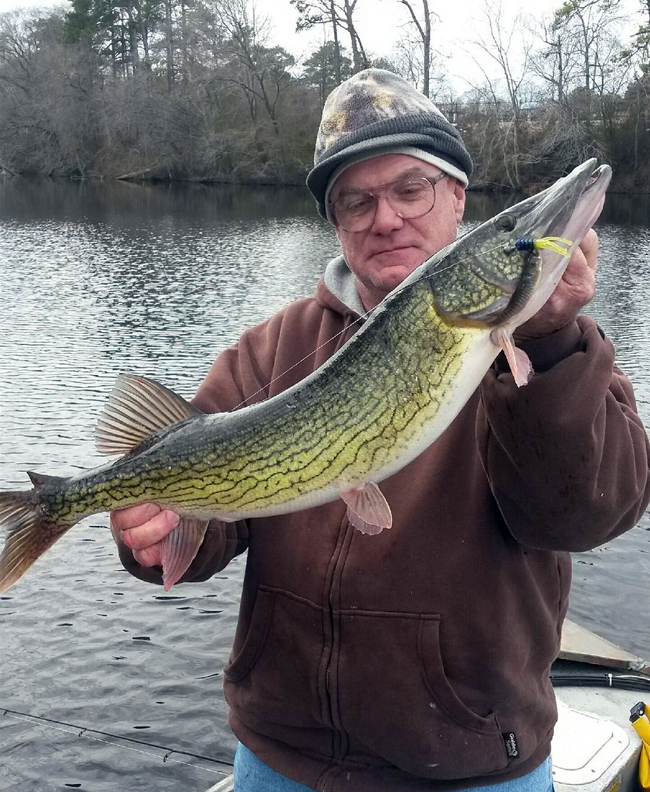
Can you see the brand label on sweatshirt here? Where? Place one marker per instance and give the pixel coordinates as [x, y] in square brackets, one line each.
[510, 740]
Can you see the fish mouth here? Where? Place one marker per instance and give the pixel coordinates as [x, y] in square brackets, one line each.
[566, 209]
[569, 207]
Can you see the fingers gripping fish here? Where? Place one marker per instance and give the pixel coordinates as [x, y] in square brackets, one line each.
[372, 408]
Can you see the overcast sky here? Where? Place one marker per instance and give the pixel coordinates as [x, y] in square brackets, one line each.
[380, 25]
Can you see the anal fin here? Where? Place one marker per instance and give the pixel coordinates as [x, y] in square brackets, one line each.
[179, 549]
[368, 510]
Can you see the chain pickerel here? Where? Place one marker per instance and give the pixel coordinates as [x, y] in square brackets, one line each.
[389, 392]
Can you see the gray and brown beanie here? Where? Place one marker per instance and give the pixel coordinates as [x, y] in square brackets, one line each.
[377, 112]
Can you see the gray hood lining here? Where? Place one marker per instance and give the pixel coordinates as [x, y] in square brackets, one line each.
[341, 281]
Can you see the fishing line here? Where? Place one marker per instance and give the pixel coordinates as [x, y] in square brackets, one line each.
[98, 736]
[556, 244]
[359, 319]
[84, 731]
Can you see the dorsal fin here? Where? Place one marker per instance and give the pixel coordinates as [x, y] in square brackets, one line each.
[138, 407]
[40, 479]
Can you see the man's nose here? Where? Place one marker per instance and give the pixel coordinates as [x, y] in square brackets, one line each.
[386, 218]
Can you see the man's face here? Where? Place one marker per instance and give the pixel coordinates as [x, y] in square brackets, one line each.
[384, 254]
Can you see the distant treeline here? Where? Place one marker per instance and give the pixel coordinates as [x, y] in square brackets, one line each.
[195, 90]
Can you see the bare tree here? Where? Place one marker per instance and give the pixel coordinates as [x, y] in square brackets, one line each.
[406, 60]
[590, 24]
[48, 117]
[423, 26]
[641, 41]
[169, 45]
[512, 70]
[359, 58]
[556, 62]
[261, 73]
[340, 15]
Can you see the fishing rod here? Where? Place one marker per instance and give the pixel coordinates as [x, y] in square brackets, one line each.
[87, 732]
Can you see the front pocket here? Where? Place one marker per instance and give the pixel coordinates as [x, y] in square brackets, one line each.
[241, 663]
[271, 679]
[396, 701]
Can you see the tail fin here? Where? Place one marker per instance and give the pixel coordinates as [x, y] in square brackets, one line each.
[28, 534]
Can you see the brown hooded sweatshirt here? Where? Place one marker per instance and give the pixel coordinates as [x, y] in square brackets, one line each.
[419, 659]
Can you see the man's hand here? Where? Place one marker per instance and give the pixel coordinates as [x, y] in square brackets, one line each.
[573, 292]
[141, 528]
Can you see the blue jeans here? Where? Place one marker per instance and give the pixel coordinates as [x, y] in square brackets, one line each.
[252, 775]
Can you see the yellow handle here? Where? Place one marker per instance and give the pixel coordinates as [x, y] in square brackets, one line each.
[642, 728]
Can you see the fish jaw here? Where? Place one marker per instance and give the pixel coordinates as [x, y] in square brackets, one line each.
[569, 209]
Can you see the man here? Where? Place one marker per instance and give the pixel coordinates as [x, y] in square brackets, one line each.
[417, 659]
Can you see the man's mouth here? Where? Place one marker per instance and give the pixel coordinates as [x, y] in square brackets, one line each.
[392, 249]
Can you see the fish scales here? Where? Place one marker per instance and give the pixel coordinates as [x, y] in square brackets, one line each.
[343, 440]
[320, 440]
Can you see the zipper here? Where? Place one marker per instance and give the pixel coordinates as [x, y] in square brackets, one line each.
[330, 613]
[340, 739]
[340, 556]
[340, 551]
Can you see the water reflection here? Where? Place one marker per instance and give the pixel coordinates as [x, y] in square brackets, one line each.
[98, 279]
[621, 302]
[620, 210]
[627, 210]
[125, 204]
[132, 205]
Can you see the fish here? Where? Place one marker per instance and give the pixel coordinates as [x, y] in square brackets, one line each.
[372, 408]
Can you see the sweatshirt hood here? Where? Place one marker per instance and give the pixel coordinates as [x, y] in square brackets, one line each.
[337, 289]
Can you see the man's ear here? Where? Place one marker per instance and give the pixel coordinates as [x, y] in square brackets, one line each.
[459, 200]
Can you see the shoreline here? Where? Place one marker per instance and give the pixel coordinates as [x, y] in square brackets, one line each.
[225, 181]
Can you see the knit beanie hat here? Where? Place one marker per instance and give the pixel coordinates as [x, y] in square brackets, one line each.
[377, 112]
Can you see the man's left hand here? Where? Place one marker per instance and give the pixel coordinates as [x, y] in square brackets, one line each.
[573, 292]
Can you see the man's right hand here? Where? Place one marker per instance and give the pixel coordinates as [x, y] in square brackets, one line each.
[141, 528]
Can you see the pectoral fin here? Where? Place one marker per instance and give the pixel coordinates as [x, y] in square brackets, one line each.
[179, 549]
[368, 510]
[518, 360]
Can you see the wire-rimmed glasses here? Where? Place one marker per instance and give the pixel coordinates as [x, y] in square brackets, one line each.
[409, 198]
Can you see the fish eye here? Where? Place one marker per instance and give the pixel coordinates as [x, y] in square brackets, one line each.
[506, 222]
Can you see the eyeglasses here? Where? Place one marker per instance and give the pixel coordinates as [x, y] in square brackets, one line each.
[354, 210]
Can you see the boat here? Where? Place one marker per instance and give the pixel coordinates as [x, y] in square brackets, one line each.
[226, 785]
[595, 747]
[597, 684]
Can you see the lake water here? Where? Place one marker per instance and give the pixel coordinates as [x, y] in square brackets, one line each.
[99, 279]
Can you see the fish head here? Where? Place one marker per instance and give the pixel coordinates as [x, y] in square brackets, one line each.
[501, 273]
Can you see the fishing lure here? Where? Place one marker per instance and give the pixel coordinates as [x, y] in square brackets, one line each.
[525, 244]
